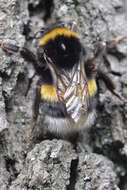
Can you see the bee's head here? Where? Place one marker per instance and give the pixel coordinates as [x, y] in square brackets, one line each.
[62, 46]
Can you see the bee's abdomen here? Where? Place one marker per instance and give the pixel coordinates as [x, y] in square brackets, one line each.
[55, 109]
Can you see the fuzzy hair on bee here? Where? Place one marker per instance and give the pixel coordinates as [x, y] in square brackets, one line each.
[67, 84]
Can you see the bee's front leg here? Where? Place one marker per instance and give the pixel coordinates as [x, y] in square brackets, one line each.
[102, 47]
[25, 53]
[22, 51]
[112, 44]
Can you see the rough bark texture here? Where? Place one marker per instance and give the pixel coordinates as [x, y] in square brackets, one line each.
[100, 160]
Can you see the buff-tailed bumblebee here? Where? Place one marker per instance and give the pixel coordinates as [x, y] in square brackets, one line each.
[67, 78]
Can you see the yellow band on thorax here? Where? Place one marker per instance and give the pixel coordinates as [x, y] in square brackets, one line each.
[48, 93]
[57, 32]
[92, 87]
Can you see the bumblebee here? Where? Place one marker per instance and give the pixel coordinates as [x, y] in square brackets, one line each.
[67, 78]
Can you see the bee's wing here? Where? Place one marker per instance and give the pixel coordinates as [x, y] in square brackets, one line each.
[73, 91]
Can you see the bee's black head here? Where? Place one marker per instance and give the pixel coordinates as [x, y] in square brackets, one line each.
[62, 46]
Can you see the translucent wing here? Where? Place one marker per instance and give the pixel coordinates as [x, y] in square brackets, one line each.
[73, 91]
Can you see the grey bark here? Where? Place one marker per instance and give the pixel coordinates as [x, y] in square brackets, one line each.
[99, 161]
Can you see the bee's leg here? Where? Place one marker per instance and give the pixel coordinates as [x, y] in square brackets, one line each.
[27, 54]
[104, 46]
[112, 44]
[100, 50]
[35, 110]
[24, 52]
[110, 85]
[30, 80]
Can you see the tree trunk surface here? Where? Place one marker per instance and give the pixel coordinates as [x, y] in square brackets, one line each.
[99, 162]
